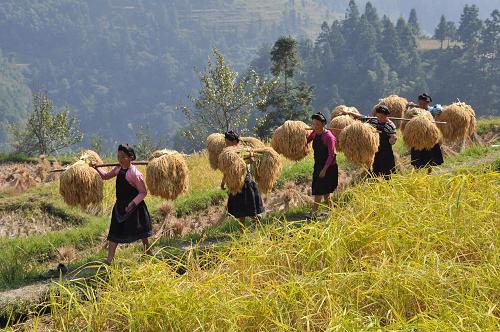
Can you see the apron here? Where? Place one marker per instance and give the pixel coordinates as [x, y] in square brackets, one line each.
[384, 163]
[134, 225]
[328, 184]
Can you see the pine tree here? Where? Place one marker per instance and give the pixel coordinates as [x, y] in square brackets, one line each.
[285, 59]
[389, 44]
[413, 23]
[470, 26]
[440, 33]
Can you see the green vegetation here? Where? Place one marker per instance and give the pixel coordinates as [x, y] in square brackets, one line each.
[427, 262]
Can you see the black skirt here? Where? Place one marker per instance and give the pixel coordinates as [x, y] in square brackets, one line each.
[425, 158]
[246, 203]
[132, 227]
[384, 163]
[328, 184]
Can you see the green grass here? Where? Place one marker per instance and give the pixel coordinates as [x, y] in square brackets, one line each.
[418, 252]
[474, 152]
[485, 125]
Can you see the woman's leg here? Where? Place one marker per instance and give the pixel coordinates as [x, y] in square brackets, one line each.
[147, 249]
[111, 252]
[242, 224]
[317, 202]
[327, 200]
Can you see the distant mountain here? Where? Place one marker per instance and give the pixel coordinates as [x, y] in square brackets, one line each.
[121, 64]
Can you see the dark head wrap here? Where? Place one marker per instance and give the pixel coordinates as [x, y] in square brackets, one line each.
[382, 109]
[426, 97]
[319, 116]
[232, 136]
[127, 149]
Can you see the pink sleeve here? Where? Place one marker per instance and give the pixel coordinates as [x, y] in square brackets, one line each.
[311, 136]
[109, 174]
[330, 141]
[135, 178]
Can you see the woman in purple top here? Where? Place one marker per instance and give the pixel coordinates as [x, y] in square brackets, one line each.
[130, 219]
[326, 172]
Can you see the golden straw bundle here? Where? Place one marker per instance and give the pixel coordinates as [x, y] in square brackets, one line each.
[460, 120]
[420, 133]
[233, 167]
[252, 142]
[337, 111]
[340, 122]
[290, 140]
[359, 142]
[80, 184]
[167, 174]
[267, 168]
[413, 112]
[216, 143]
[396, 106]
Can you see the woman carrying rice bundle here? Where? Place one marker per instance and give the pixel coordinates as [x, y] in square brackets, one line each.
[248, 202]
[130, 219]
[434, 156]
[326, 172]
[384, 163]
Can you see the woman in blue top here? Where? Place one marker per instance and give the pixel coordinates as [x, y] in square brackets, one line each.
[434, 156]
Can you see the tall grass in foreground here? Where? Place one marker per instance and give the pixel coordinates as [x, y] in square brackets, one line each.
[417, 252]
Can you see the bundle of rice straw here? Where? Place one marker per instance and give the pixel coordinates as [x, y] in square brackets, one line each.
[80, 184]
[267, 168]
[233, 167]
[337, 111]
[252, 142]
[396, 106]
[167, 174]
[290, 140]
[340, 122]
[460, 121]
[216, 143]
[43, 168]
[359, 143]
[413, 112]
[421, 133]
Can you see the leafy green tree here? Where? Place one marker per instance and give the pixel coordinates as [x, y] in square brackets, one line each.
[46, 132]
[224, 101]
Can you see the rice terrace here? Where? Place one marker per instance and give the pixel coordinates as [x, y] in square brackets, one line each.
[283, 165]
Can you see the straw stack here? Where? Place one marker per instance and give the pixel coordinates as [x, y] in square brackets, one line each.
[460, 122]
[396, 106]
[267, 168]
[337, 111]
[359, 142]
[290, 140]
[80, 184]
[167, 174]
[421, 133]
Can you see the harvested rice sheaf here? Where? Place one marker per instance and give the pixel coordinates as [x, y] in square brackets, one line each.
[167, 174]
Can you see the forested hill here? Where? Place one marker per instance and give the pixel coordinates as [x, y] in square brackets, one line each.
[124, 63]
[429, 11]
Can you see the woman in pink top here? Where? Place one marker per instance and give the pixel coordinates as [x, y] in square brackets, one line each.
[130, 219]
[326, 172]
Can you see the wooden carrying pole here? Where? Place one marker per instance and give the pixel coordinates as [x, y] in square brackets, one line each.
[142, 162]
